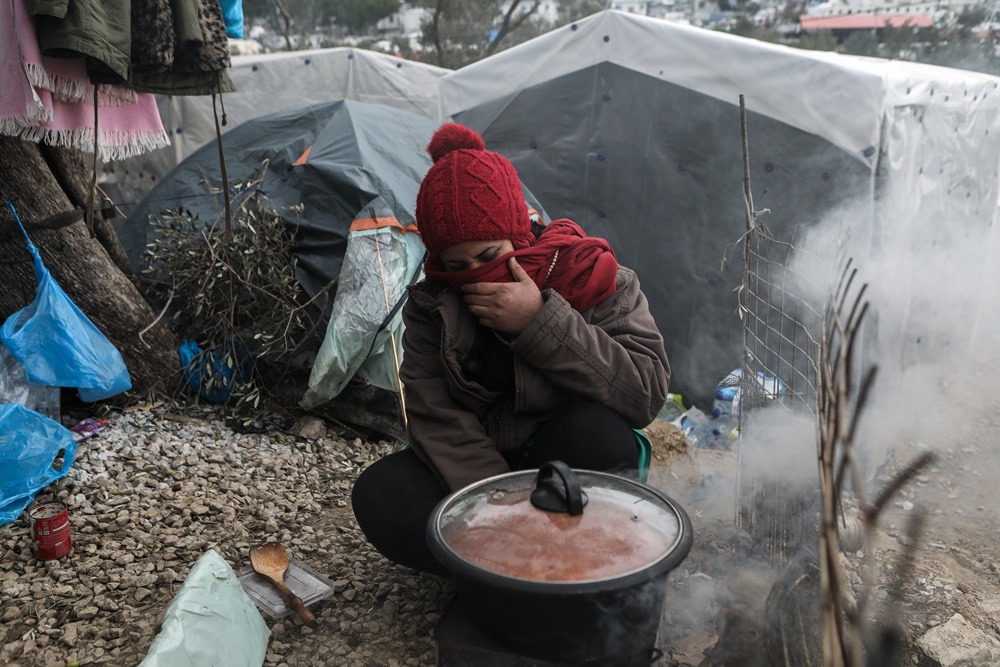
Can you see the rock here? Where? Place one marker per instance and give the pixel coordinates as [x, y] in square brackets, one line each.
[309, 428]
[87, 613]
[70, 634]
[108, 605]
[958, 643]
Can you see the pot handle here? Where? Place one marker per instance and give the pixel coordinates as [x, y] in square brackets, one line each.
[551, 497]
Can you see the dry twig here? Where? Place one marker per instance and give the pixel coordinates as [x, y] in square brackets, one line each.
[844, 626]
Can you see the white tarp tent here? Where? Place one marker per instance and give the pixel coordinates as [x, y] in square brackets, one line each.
[275, 82]
[630, 126]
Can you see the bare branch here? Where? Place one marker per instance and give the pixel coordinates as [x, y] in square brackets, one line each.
[898, 482]
[287, 18]
[507, 27]
[158, 318]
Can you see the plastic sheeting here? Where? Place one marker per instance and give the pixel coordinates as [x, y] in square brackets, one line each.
[30, 445]
[211, 621]
[812, 91]
[630, 126]
[380, 262]
[232, 13]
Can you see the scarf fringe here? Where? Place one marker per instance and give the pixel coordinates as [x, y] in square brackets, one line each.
[114, 145]
[33, 116]
[71, 89]
[64, 88]
[117, 145]
[115, 96]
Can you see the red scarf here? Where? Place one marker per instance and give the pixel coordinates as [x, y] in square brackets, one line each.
[584, 272]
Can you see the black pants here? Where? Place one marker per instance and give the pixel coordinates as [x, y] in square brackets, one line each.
[395, 496]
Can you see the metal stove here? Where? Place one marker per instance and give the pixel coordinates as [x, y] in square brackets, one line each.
[460, 643]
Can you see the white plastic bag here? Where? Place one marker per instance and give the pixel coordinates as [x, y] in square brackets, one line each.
[211, 621]
[381, 260]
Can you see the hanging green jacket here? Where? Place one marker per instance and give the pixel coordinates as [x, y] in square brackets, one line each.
[99, 30]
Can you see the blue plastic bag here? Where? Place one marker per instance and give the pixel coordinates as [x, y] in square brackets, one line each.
[200, 367]
[29, 445]
[232, 14]
[57, 344]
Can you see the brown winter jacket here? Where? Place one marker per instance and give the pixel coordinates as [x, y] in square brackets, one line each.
[612, 354]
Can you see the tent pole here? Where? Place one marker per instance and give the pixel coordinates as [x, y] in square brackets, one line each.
[392, 337]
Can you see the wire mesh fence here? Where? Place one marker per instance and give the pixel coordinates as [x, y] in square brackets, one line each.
[780, 327]
[781, 334]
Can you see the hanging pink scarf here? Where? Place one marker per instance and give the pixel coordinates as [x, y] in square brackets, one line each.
[50, 100]
[581, 268]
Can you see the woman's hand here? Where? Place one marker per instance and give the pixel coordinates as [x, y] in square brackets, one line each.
[506, 307]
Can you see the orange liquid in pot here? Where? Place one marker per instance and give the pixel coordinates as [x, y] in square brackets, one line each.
[509, 536]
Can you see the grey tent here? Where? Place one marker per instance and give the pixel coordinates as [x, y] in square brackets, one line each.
[355, 168]
[335, 158]
[631, 126]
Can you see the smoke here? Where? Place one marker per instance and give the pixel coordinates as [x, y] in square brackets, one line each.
[718, 599]
[779, 447]
[934, 320]
[928, 252]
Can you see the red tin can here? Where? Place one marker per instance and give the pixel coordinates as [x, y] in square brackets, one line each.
[49, 529]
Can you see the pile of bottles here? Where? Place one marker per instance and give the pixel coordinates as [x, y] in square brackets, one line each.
[709, 431]
[719, 429]
[16, 388]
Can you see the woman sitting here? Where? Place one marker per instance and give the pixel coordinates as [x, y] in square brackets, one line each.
[521, 346]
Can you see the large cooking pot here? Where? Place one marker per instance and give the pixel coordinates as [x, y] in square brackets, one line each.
[563, 565]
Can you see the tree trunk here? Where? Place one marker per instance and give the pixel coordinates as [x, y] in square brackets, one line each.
[72, 171]
[45, 193]
[287, 18]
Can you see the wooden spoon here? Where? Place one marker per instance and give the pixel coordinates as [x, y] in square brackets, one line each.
[271, 562]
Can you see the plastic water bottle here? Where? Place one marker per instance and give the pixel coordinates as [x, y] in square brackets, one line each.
[722, 406]
[691, 423]
[727, 395]
[16, 388]
[715, 433]
[672, 409]
[13, 384]
[46, 401]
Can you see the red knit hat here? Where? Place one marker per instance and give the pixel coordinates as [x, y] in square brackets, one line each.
[469, 194]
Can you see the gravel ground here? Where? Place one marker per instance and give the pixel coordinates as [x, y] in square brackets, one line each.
[153, 492]
[149, 495]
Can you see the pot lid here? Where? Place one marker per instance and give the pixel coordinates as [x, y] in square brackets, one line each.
[616, 526]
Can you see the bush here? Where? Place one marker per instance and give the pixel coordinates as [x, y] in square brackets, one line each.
[238, 300]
